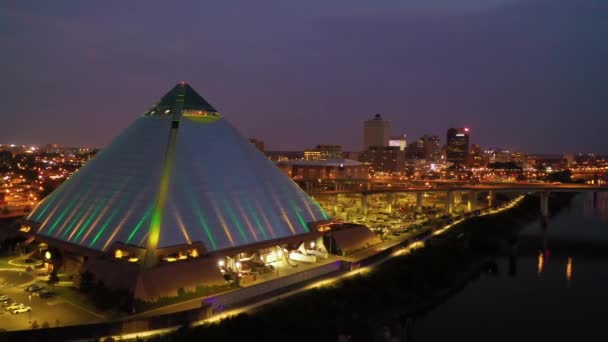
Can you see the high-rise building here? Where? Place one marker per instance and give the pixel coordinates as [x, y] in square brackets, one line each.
[458, 146]
[415, 150]
[426, 148]
[399, 141]
[432, 150]
[477, 157]
[385, 158]
[375, 132]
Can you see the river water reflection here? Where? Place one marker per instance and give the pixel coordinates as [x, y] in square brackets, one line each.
[554, 289]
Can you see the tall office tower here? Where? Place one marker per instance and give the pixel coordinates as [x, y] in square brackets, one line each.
[376, 132]
[477, 157]
[398, 141]
[432, 150]
[458, 146]
[415, 150]
[426, 148]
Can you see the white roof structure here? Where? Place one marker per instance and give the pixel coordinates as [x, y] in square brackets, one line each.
[180, 174]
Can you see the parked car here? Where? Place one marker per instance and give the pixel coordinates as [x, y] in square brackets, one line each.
[4, 298]
[8, 303]
[44, 294]
[21, 310]
[14, 306]
[33, 288]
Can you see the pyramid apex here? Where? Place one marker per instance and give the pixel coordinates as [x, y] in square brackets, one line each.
[181, 98]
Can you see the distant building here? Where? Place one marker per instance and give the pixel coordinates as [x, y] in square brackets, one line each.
[570, 159]
[432, 150]
[399, 141]
[503, 157]
[458, 146]
[519, 158]
[284, 155]
[323, 152]
[549, 162]
[477, 157]
[259, 144]
[5, 156]
[351, 155]
[51, 148]
[375, 132]
[415, 150]
[384, 158]
[333, 169]
[336, 174]
[426, 148]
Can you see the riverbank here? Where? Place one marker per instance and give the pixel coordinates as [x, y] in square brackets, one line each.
[381, 301]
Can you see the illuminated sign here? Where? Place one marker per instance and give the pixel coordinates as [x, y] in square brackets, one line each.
[460, 135]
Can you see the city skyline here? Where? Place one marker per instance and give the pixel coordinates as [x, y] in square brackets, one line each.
[523, 75]
[294, 171]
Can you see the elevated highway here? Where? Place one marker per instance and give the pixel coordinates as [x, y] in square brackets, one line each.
[451, 187]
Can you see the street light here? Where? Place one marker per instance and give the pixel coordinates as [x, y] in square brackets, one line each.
[312, 244]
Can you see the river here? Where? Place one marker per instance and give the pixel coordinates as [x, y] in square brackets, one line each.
[554, 287]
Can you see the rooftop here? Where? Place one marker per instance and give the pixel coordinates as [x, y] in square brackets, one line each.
[326, 162]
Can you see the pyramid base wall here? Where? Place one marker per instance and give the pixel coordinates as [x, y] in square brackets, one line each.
[168, 280]
[165, 280]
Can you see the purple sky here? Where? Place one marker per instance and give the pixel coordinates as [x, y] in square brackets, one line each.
[529, 75]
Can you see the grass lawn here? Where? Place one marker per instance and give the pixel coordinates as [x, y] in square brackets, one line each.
[64, 277]
[72, 295]
[4, 262]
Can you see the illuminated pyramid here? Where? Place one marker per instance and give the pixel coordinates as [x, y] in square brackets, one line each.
[180, 175]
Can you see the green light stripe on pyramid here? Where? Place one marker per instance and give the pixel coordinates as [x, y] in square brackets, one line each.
[256, 218]
[139, 224]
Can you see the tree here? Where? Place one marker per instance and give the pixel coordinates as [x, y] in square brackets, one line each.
[560, 176]
[87, 281]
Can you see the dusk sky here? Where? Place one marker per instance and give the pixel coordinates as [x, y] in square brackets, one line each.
[530, 75]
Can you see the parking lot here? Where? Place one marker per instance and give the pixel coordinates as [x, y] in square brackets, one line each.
[51, 311]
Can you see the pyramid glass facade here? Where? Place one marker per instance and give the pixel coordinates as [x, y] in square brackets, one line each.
[179, 174]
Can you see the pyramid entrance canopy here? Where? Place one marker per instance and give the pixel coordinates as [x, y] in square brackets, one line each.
[179, 174]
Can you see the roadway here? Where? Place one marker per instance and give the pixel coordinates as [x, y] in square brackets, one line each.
[281, 270]
[498, 187]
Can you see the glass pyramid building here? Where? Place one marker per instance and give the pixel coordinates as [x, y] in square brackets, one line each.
[181, 174]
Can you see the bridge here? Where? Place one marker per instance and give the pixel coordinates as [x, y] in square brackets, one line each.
[450, 188]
